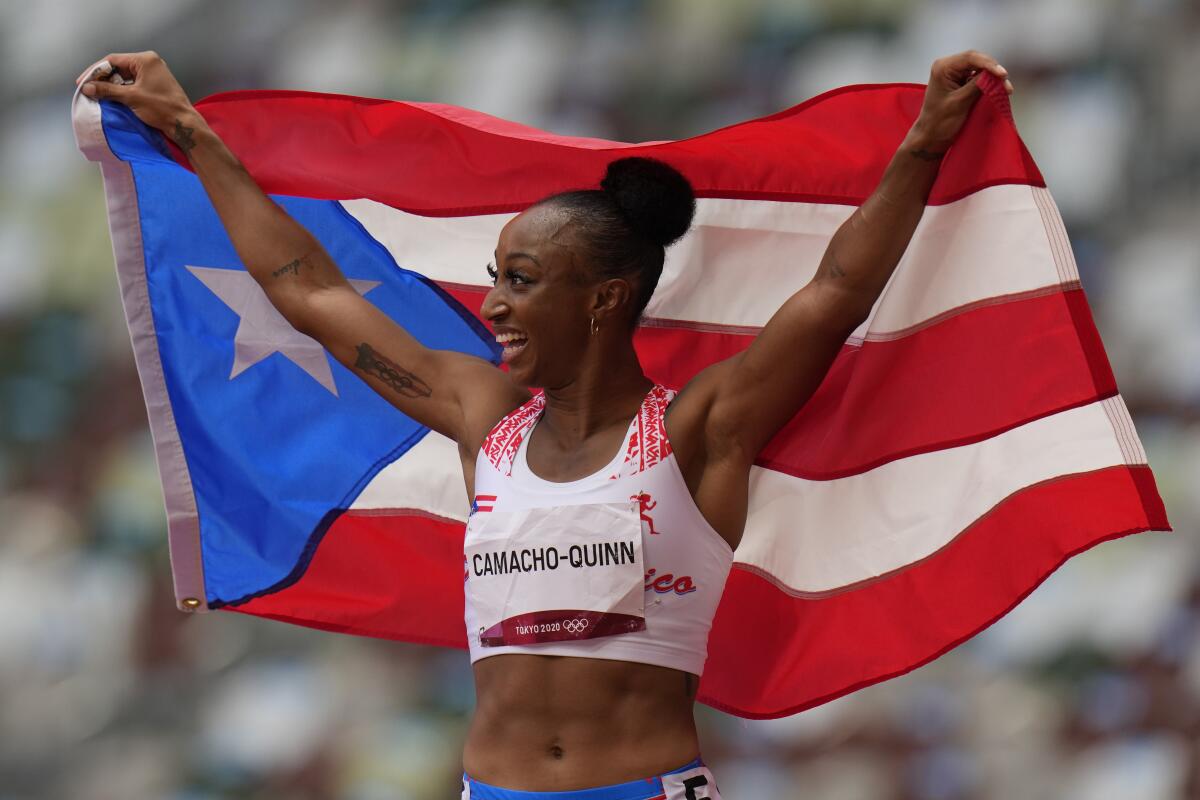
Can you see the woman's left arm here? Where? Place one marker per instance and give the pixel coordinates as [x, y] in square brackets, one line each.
[750, 396]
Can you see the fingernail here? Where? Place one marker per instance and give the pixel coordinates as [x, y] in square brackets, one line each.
[1002, 70]
[89, 89]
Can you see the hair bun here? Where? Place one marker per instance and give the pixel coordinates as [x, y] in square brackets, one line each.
[653, 196]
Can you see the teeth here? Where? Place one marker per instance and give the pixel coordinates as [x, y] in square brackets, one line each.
[505, 338]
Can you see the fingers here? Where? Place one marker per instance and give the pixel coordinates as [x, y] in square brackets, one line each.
[121, 68]
[131, 63]
[94, 72]
[101, 90]
[957, 74]
[972, 65]
[972, 61]
[113, 76]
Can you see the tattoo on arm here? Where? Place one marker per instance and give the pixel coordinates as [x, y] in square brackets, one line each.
[294, 266]
[290, 268]
[835, 269]
[183, 136]
[403, 382]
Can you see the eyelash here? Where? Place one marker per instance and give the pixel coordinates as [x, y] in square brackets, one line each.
[513, 277]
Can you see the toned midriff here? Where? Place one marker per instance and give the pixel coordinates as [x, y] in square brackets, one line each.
[554, 723]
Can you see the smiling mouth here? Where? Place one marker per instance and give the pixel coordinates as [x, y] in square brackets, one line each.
[513, 343]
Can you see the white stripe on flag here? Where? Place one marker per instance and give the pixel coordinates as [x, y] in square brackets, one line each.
[847, 530]
[426, 478]
[991, 243]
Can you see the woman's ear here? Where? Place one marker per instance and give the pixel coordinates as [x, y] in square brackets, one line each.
[613, 300]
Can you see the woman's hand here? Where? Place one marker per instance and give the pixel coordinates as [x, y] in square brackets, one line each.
[152, 93]
[951, 92]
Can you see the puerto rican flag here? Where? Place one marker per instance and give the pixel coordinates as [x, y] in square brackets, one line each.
[968, 440]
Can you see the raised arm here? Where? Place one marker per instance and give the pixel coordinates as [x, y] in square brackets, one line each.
[300, 278]
[750, 396]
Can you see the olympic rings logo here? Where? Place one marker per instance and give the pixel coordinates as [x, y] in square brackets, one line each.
[576, 625]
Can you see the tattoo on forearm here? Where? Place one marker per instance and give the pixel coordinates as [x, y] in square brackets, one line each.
[835, 269]
[399, 379]
[293, 267]
[183, 136]
[926, 155]
[290, 268]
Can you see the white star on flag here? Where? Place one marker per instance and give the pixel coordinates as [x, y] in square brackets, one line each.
[263, 330]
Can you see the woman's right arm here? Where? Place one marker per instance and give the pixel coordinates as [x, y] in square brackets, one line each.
[454, 394]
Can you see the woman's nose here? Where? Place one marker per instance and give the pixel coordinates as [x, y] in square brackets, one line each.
[493, 307]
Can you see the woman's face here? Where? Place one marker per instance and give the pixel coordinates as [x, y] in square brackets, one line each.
[541, 304]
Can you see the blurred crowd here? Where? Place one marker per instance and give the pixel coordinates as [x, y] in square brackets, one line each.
[1088, 691]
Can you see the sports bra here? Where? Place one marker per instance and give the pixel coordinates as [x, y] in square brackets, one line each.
[616, 565]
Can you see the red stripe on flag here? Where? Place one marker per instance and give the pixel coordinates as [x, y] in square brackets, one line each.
[398, 575]
[772, 654]
[965, 378]
[1090, 343]
[831, 149]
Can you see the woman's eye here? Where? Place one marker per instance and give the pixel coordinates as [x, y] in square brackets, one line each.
[514, 278]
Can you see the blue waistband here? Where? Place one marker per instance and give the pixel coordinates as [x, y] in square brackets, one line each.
[644, 789]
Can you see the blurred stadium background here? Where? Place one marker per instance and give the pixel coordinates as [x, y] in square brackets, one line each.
[1089, 690]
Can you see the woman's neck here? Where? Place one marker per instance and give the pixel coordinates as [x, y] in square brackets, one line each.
[607, 391]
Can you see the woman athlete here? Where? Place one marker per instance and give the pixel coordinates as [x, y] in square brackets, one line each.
[585, 677]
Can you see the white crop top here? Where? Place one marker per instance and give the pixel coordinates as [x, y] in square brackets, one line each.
[618, 565]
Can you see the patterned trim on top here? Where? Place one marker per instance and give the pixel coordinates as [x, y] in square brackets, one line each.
[648, 444]
[501, 445]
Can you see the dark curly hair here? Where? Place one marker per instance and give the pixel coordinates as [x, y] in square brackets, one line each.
[624, 227]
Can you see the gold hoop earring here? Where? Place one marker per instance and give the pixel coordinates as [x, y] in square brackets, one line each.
[594, 328]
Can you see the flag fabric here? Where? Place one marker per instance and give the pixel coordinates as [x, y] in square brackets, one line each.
[968, 439]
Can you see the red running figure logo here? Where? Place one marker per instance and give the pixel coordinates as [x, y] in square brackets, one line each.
[645, 504]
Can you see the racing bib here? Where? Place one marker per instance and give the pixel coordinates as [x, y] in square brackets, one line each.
[555, 574]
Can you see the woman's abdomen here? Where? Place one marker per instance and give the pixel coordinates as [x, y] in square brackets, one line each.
[553, 723]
